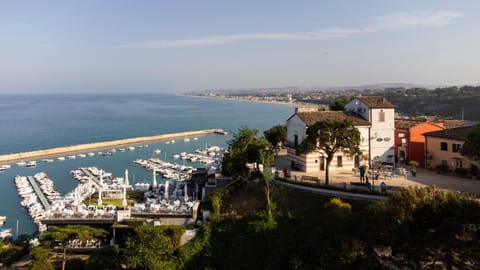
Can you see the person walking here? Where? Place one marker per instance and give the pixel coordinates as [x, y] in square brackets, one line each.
[383, 188]
[362, 174]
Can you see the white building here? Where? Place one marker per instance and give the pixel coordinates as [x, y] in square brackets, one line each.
[373, 116]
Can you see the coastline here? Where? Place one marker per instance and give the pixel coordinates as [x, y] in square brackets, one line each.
[290, 104]
[58, 151]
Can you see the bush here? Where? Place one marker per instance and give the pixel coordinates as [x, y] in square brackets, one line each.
[461, 171]
[474, 170]
[442, 168]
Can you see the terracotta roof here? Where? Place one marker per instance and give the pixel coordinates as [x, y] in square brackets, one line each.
[406, 124]
[375, 102]
[311, 118]
[453, 123]
[459, 133]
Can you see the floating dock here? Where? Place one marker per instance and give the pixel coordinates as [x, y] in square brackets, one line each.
[58, 151]
[38, 191]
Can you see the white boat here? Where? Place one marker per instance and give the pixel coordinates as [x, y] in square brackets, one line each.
[21, 163]
[81, 155]
[5, 233]
[61, 158]
[2, 220]
[72, 157]
[167, 142]
[91, 154]
[31, 164]
[195, 138]
[4, 167]
[186, 139]
[48, 160]
[176, 156]
[157, 151]
[131, 148]
[113, 150]
[121, 149]
[172, 141]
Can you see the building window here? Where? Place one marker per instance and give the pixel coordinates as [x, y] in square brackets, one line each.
[339, 161]
[381, 116]
[459, 163]
[456, 147]
[444, 146]
[444, 162]
[296, 141]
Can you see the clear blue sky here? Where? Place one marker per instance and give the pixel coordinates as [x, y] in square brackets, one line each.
[173, 46]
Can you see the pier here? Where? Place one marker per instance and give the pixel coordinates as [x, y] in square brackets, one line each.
[58, 151]
[40, 195]
[91, 176]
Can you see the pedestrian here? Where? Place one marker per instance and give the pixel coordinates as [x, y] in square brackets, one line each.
[383, 188]
[284, 173]
[362, 174]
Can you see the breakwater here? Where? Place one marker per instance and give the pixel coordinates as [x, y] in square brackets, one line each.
[57, 151]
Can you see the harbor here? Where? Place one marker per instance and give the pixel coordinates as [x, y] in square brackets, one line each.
[101, 198]
[60, 151]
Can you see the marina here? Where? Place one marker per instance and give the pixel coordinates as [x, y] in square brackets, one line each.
[113, 117]
[101, 145]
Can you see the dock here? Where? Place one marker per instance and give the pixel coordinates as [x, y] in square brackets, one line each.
[38, 191]
[91, 176]
[59, 151]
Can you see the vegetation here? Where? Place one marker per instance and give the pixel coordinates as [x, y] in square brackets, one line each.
[471, 147]
[331, 136]
[339, 103]
[40, 260]
[245, 148]
[152, 247]
[11, 252]
[276, 135]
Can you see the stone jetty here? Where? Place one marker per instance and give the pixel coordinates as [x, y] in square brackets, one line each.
[103, 145]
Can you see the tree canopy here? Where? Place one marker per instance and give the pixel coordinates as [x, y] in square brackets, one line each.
[331, 136]
[339, 103]
[276, 135]
[153, 247]
[245, 148]
[471, 147]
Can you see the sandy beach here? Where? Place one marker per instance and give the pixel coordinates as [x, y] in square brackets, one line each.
[101, 145]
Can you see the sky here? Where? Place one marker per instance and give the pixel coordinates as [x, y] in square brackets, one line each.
[139, 46]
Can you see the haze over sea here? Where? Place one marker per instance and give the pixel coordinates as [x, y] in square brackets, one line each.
[32, 122]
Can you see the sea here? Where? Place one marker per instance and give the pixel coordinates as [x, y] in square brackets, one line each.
[33, 122]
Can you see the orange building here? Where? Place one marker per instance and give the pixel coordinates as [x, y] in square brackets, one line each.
[444, 148]
[409, 139]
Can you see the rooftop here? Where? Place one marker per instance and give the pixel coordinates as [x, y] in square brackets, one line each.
[312, 117]
[459, 133]
[375, 102]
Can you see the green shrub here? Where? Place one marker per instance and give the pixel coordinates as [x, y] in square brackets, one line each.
[474, 170]
[461, 171]
[442, 168]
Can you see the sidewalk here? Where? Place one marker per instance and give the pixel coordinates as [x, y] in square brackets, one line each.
[423, 178]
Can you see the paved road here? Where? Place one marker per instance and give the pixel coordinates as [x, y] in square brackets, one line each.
[423, 178]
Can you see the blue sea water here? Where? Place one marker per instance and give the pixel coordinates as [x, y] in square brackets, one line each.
[32, 122]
